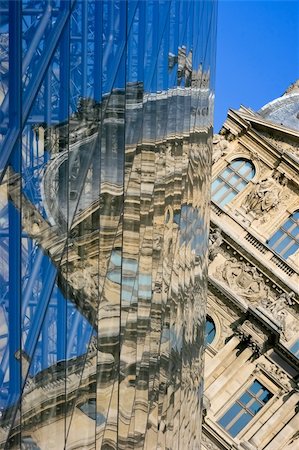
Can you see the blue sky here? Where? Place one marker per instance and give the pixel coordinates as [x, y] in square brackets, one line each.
[257, 53]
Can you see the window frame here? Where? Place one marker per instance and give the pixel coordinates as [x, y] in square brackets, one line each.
[295, 353]
[225, 181]
[245, 389]
[286, 233]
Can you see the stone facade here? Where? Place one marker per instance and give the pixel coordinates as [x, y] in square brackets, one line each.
[253, 300]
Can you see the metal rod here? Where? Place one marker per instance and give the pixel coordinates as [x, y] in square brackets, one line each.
[34, 86]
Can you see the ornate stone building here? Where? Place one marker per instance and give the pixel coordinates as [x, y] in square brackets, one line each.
[252, 356]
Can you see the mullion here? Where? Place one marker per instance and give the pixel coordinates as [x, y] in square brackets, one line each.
[226, 181]
[240, 414]
[290, 244]
[281, 239]
[245, 407]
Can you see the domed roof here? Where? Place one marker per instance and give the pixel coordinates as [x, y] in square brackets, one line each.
[284, 110]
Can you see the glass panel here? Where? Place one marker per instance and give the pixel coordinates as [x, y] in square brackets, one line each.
[210, 331]
[240, 424]
[247, 171]
[295, 348]
[220, 193]
[265, 396]
[228, 198]
[241, 185]
[230, 416]
[234, 180]
[256, 387]
[238, 164]
[216, 183]
[296, 215]
[104, 220]
[275, 238]
[226, 173]
[245, 399]
[291, 250]
[288, 224]
[281, 246]
[255, 407]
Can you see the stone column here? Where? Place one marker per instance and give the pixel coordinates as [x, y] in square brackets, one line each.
[223, 357]
[218, 393]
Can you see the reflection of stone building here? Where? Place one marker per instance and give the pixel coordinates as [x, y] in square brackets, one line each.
[104, 250]
[252, 356]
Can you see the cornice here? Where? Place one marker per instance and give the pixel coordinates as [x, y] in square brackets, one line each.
[250, 119]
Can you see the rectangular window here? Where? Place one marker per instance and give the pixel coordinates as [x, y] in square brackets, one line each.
[245, 408]
[295, 348]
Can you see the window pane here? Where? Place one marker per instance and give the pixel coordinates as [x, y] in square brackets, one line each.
[226, 172]
[290, 243]
[291, 250]
[245, 399]
[296, 216]
[241, 185]
[234, 180]
[247, 171]
[240, 424]
[283, 244]
[237, 164]
[275, 238]
[250, 174]
[228, 198]
[295, 348]
[256, 387]
[221, 193]
[255, 407]
[294, 231]
[265, 395]
[215, 184]
[210, 331]
[288, 224]
[230, 415]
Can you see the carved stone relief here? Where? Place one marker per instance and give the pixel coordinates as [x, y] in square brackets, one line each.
[243, 279]
[291, 329]
[265, 195]
[278, 309]
[220, 147]
[215, 241]
[276, 372]
[255, 329]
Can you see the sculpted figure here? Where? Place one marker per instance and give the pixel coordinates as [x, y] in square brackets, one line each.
[278, 306]
[220, 146]
[265, 195]
[215, 242]
[286, 298]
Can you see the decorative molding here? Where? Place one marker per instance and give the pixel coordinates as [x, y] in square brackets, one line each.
[276, 373]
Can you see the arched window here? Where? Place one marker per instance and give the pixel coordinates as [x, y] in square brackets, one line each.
[285, 241]
[232, 180]
[210, 330]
